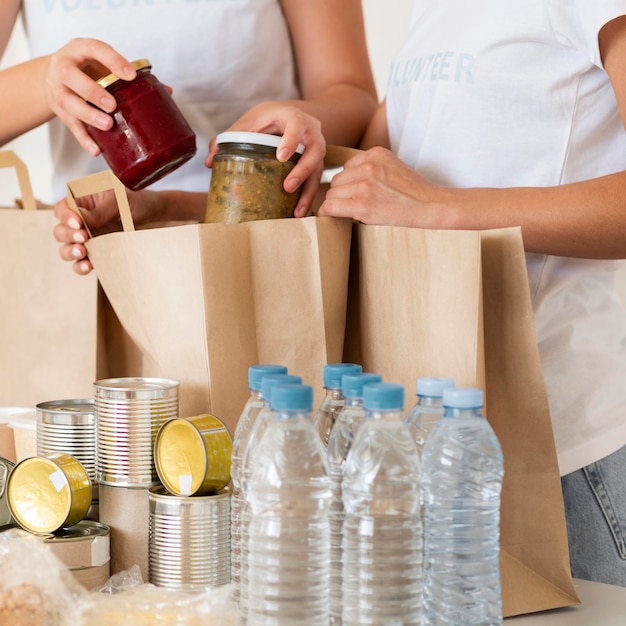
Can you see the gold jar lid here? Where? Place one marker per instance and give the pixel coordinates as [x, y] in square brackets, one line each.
[109, 79]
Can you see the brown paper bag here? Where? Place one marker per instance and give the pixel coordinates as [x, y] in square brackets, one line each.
[457, 303]
[48, 314]
[203, 302]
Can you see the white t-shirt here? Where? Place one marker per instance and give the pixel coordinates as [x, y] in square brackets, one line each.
[221, 57]
[499, 94]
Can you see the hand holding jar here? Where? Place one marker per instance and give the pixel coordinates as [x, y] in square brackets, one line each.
[300, 146]
[69, 86]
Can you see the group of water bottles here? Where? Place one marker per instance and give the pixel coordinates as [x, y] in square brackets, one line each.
[359, 513]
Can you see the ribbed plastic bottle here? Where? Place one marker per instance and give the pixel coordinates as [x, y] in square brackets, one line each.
[382, 530]
[289, 493]
[428, 407]
[340, 441]
[462, 470]
[333, 400]
[247, 463]
[242, 431]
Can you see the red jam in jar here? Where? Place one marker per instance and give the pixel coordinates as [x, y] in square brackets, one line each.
[150, 136]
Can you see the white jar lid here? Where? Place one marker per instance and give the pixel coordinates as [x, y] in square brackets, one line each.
[259, 139]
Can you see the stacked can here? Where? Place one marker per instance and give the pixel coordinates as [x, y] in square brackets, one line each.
[69, 426]
[129, 413]
[189, 530]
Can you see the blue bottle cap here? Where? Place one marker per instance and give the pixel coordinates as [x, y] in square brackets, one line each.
[383, 397]
[352, 384]
[463, 398]
[334, 371]
[268, 382]
[292, 397]
[432, 386]
[256, 373]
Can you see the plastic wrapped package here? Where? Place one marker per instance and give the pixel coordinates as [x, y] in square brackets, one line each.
[36, 589]
[125, 600]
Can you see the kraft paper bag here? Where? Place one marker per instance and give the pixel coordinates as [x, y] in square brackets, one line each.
[457, 303]
[203, 302]
[48, 314]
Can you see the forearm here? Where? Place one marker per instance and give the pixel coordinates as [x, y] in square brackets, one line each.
[344, 110]
[176, 205]
[585, 219]
[23, 104]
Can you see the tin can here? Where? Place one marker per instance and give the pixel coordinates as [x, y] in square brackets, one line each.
[193, 455]
[247, 179]
[189, 539]
[68, 426]
[6, 519]
[48, 493]
[150, 136]
[129, 413]
[85, 550]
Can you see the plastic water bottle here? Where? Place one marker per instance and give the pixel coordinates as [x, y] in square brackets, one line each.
[340, 442]
[289, 493]
[240, 440]
[255, 431]
[333, 401]
[382, 530]
[428, 407]
[462, 474]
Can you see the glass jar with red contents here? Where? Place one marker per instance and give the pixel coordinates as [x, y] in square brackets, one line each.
[150, 136]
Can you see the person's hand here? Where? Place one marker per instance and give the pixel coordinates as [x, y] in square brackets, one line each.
[376, 187]
[70, 86]
[296, 127]
[101, 214]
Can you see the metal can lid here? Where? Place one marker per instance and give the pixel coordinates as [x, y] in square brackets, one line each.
[255, 139]
[85, 529]
[86, 544]
[76, 405]
[109, 79]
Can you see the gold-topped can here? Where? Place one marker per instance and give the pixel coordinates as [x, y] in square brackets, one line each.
[192, 455]
[47, 493]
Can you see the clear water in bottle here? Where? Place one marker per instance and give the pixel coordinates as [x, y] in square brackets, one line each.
[289, 494]
[428, 408]
[240, 440]
[340, 441]
[333, 400]
[382, 531]
[462, 479]
[255, 432]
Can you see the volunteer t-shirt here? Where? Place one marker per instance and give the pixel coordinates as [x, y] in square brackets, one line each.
[221, 57]
[499, 94]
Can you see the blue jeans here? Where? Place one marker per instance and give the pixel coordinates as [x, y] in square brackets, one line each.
[595, 513]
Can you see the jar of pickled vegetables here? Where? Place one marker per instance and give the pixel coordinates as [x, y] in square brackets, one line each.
[150, 136]
[247, 179]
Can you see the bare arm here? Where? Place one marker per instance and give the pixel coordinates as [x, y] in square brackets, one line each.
[58, 84]
[337, 86]
[585, 219]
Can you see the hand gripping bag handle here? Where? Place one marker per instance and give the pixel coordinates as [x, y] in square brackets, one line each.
[97, 183]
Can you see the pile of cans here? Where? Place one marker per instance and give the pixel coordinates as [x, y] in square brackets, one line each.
[124, 465]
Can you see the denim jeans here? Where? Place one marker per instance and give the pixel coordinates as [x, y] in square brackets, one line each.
[595, 513]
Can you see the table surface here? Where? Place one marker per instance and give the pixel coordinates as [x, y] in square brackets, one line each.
[601, 605]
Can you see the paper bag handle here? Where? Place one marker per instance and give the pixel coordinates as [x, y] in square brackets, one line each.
[8, 158]
[97, 183]
[338, 155]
